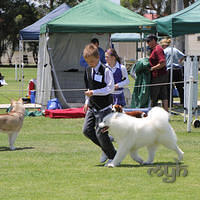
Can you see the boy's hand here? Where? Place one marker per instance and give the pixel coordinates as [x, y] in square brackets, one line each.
[89, 93]
[85, 108]
[116, 86]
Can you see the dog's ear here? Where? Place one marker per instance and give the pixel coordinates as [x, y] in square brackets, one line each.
[114, 108]
[20, 100]
[144, 114]
[12, 101]
[119, 108]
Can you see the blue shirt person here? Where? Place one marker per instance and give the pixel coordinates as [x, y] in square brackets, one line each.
[94, 41]
[178, 71]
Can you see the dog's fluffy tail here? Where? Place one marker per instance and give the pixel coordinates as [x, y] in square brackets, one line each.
[159, 117]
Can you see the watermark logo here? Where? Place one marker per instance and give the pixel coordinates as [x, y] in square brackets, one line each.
[170, 173]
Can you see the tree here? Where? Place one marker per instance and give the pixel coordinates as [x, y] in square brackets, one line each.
[160, 7]
[187, 2]
[51, 4]
[14, 16]
[146, 6]
[17, 14]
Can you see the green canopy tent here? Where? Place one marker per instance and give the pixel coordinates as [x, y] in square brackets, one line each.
[102, 16]
[186, 21]
[65, 38]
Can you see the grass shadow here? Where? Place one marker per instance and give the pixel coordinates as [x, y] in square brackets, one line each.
[17, 149]
[172, 164]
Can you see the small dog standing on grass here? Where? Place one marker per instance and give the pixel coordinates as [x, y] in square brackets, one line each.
[12, 122]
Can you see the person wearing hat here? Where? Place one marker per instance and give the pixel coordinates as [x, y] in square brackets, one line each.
[159, 74]
[178, 58]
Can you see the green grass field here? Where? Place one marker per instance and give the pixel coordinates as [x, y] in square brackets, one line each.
[15, 89]
[54, 161]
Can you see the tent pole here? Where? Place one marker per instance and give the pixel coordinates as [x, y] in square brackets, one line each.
[16, 71]
[22, 71]
[185, 80]
[136, 50]
[20, 60]
[145, 46]
[171, 77]
[190, 101]
[21, 53]
[141, 50]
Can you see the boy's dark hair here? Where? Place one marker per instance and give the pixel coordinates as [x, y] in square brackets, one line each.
[94, 41]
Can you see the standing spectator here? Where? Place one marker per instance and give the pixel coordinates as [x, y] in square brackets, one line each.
[178, 74]
[100, 84]
[120, 75]
[94, 41]
[159, 75]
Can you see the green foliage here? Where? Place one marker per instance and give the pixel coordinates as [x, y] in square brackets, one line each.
[145, 6]
[18, 14]
[162, 7]
[14, 88]
[15, 15]
[52, 4]
[71, 3]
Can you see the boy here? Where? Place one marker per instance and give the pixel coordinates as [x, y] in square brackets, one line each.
[100, 84]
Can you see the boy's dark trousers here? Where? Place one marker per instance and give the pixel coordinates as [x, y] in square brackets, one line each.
[93, 132]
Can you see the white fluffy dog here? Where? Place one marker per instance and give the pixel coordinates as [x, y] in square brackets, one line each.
[133, 133]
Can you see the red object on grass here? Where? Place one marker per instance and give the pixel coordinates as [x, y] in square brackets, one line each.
[65, 113]
[31, 86]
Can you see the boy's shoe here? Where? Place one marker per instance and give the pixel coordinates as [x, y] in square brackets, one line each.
[103, 158]
[108, 162]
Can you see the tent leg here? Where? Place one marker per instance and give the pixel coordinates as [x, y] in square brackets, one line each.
[189, 121]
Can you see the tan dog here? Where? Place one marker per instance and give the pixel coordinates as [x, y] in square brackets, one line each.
[135, 113]
[11, 123]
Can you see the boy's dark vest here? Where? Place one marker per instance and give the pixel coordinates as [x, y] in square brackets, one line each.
[97, 102]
